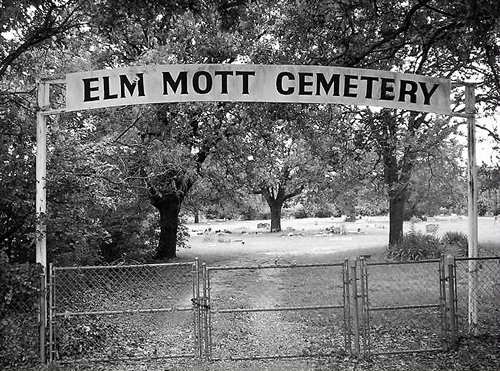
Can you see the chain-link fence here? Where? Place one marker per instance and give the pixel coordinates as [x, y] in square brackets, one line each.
[478, 295]
[276, 311]
[122, 312]
[19, 301]
[404, 306]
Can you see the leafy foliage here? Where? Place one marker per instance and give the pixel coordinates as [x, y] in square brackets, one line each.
[418, 246]
[19, 292]
[415, 246]
[456, 243]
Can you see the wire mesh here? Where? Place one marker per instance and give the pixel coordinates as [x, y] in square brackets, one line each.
[123, 312]
[404, 306]
[276, 311]
[486, 295]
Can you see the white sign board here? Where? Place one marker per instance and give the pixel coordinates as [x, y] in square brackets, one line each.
[255, 83]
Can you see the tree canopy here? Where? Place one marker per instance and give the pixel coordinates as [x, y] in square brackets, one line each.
[118, 174]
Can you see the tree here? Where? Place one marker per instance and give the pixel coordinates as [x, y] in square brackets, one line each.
[425, 37]
[176, 150]
[438, 182]
[269, 156]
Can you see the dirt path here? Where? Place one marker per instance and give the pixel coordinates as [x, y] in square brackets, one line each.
[272, 334]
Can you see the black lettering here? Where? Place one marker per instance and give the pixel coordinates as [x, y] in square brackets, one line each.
[387, 90]
[369, 85]
[428, 94]
[408, 88]
[322, 83]
[224, 75]
[88, 89]
[130, 86]
[245, 75]
[303, 83]
[348, 86]
[107, 95]
[279, 83]
[174, 85]
[196, 82]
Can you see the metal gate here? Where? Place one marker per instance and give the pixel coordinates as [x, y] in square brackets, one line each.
[276, 311]
[356, 308]
[273, 311]
[123, 312]
[404, 306]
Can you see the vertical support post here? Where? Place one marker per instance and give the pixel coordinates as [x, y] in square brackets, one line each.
[206, 309]
[347, 307]
[364, 306]
[452, 302]
[41, 174]
[443, 305]
[209, 316]
[470, 101]
[51, 313]
[355, 310]
[41, 207]
[43, 317]
[197, 310]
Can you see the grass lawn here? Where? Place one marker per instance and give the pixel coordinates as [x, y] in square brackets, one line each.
[308, 241]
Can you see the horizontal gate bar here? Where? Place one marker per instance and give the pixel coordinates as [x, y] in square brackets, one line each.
[405, 307]
[406, 351]
[254, 267]
[94, 267]
[276, 356]
[145, 358]
[276, 309]
[128, 311]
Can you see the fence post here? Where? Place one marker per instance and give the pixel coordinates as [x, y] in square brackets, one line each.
[196, 308]
[347, 307]
[364, 306]
[43, 317]
[355, 308]
[443, 305]
[51, 312]
[452, 304]
[205, 313]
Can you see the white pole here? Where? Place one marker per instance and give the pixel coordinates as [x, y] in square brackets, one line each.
[41, 174]
[470, 101]
[41, 205]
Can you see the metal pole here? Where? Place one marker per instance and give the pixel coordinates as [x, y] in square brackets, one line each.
[355, 310]
[206, 308]
[41, 206]
[347, 307]
[41, 174]
[364, 305]
[443, 306]
[470, 101]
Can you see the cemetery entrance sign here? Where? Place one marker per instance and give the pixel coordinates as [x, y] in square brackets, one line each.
[248, 83]
[256, 83]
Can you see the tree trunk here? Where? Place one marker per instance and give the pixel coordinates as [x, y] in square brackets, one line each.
[396, 217]
[169, 207]
[276, 207]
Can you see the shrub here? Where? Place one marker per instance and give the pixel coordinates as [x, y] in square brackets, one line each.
[456, 243]
[415, 246]
[19, 292]
[300, 212]
[323, 211]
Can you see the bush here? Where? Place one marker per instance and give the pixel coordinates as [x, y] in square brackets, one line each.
[456, 243]
[323, 211]
[416, 246]
[19, 292]
[300, 212]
